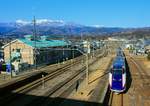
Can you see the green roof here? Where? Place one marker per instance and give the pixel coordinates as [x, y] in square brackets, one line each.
[45, 43]
[29, 36]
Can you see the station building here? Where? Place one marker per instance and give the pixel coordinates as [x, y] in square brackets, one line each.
[29, 51]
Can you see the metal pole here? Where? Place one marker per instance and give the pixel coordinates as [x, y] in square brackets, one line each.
[73, 54]
[34, 34]
[10, 60]
[93, 50]
[87, 70]
[72, 58]
[63, 51]
[87, 65]
[43, 82]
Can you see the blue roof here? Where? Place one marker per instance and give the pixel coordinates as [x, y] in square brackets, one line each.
[45, 43]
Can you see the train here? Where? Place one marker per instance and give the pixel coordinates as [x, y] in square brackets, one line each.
[117, 74]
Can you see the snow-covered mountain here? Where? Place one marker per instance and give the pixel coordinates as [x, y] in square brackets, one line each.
[22, 22]
[42, 22]
[55, 27]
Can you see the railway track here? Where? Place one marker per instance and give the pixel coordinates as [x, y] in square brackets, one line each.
[54, 67]
[28, 78]
[140, 72]
[24, 89]
[29, 87]
[115, 99]
[140, 69]
[139, 91]
[58, 90]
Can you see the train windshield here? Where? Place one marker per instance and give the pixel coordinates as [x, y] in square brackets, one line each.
[117, 71]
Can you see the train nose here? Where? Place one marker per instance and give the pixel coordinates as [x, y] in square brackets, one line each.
[117, 79]
[120, 79]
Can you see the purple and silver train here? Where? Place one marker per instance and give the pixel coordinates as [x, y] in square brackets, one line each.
[117, 74]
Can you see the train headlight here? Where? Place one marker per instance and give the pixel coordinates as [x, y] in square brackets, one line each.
[120, 79]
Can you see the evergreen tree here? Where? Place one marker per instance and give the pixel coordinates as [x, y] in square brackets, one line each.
[148, 56]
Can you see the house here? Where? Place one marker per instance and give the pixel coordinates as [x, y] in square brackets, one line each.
[129, 46]
[147, 49]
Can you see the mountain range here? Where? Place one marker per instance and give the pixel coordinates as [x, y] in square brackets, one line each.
[56, 27]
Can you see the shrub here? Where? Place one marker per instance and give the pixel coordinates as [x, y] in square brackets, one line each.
[148, 56]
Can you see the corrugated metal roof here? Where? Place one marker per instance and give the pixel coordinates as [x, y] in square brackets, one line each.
[45, 43]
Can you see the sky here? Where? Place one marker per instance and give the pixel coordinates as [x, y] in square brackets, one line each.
[105, 13]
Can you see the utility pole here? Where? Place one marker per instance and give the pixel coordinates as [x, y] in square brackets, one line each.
[10, 59]
[93, 48]
[87, 70]
[34, 34]
[63, 51]
[87, 64]
[81, 37]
